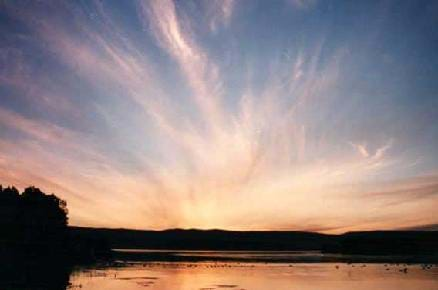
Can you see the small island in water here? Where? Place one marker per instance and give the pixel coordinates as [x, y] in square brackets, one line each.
[39, 248]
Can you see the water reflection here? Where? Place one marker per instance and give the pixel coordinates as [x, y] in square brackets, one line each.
[220, 276]
[217, 276]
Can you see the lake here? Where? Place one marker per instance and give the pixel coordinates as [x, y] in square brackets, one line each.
[257, 276]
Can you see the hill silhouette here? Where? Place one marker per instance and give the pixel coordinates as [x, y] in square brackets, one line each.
[194, 239]
[372, 246]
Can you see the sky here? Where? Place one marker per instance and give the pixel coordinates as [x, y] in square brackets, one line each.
[241, 115]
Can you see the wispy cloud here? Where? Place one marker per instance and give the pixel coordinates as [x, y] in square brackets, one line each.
[302, 4]
[379, 153]
[361, 149]
[175, 38]
[147, 122]
[220, 13]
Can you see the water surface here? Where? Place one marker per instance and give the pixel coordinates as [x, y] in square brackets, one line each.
[257, 276]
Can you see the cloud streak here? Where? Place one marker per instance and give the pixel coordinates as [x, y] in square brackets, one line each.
[139, 116]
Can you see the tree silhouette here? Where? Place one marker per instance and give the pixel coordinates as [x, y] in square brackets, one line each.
[35, 225]
[42, 217]
[36, 244]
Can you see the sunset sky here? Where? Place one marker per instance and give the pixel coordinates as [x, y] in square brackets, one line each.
[244, 115]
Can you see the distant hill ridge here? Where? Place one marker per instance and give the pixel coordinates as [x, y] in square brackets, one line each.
[365, 242]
